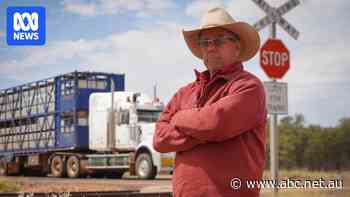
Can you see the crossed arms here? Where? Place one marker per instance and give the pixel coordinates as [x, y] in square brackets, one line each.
[180, 130]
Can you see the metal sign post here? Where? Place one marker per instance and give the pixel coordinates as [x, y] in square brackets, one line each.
[274, 132]
[273, 17]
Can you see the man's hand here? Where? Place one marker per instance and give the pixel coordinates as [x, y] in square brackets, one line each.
[179, 115]
[167, 138]
[240, 111]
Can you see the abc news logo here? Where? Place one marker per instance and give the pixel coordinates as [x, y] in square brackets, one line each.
[25, 25]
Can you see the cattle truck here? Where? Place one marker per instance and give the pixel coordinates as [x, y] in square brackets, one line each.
[68, 126]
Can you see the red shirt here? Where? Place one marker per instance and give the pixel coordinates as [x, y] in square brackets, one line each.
[217, 127]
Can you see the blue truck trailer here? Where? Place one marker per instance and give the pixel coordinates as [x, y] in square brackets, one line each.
[44, 126]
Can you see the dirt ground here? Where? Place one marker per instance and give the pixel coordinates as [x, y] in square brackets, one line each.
[47, 184]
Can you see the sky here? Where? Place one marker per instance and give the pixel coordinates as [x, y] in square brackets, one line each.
[143, 40]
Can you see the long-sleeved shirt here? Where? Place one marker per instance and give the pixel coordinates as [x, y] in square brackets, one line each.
[217, 127]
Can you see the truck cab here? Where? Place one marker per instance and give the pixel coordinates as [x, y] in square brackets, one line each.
[126, 126]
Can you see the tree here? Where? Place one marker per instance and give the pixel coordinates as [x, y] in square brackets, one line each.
[312, 147]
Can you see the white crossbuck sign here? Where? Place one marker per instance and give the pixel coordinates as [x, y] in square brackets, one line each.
[275, 15]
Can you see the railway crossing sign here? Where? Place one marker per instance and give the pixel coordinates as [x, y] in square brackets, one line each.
[274, 58]
[276, 15]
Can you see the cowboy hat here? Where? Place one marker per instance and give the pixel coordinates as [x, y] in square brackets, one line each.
[218, 17]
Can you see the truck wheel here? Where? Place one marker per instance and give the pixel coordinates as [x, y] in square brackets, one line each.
[57, 166]
[144, 167]
[73, 167]
[3, 168]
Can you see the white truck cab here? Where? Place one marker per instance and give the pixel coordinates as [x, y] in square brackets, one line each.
[134, 120]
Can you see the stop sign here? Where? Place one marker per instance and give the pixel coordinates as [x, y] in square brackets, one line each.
[274, 58]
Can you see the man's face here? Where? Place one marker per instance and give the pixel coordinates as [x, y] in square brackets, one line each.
[219, 47]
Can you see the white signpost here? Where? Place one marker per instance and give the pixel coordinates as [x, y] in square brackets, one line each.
[276, 93]
[276, 97]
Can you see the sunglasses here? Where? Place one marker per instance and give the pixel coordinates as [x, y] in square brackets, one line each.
[216, 41]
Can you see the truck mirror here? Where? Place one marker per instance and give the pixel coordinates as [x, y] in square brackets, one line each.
[134, 97]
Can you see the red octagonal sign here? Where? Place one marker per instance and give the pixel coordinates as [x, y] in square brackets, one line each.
[274, 58]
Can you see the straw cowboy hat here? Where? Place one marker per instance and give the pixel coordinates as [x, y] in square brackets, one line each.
[218, 17]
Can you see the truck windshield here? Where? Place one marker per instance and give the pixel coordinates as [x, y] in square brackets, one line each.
[148, 115]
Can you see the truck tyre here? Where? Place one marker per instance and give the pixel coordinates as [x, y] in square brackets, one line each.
[144, 167]
[57, 166]
[3, 168]
[73, 167]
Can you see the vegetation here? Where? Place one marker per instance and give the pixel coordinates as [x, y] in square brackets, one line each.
[311, 152]
[8, 186]
[313, 147]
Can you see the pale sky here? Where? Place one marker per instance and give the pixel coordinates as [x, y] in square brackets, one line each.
[142, 38]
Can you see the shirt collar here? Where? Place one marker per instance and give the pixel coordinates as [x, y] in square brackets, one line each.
[227, 72]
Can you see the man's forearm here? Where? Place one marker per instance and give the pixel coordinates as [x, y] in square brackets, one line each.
[224, 119]
[169, 139]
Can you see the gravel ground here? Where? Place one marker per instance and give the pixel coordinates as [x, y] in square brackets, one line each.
[48, 184]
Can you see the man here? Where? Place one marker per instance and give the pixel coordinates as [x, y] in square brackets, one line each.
[216, 124]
